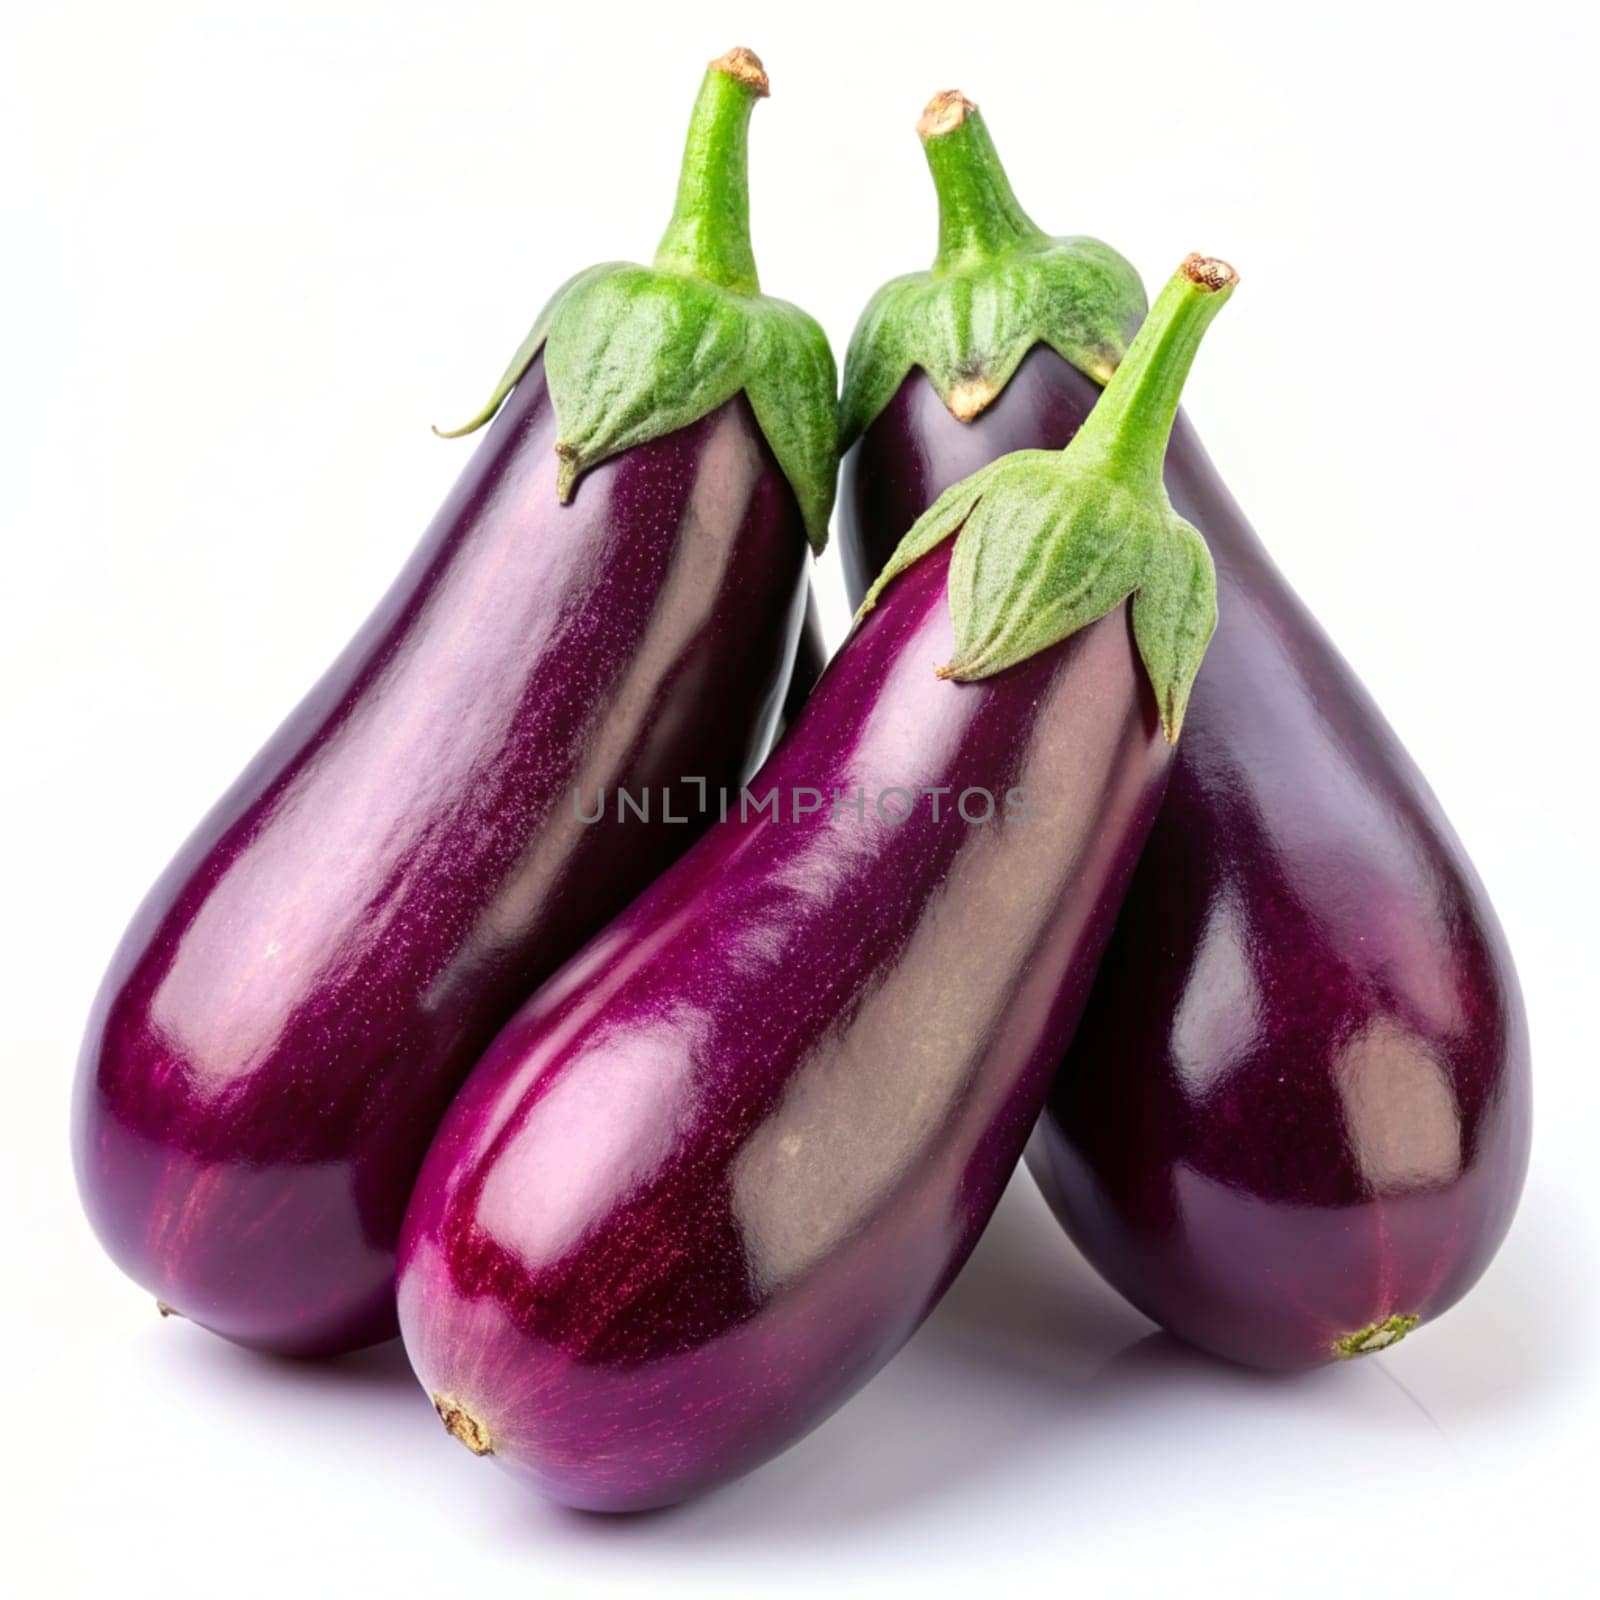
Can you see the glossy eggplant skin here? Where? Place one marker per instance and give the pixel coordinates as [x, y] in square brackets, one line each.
[715, 1174]
[1297, 1105]
[914, 450]
[306, 987]
[810, 658]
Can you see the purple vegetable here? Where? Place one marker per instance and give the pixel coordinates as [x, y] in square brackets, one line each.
[1295, 1118]
[720, 1168]
[810, 657]
[307, 986]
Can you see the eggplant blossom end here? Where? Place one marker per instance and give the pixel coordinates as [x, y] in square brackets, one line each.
[460, 1424]
[1374, 1337]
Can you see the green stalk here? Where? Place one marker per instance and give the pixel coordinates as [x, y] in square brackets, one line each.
[1126, 434]
[980, 216]
[1049, 541]
[709, 234]
[635, 353]
[998, 286]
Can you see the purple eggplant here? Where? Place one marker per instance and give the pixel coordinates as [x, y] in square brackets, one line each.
[719, 1169]
[810, 657]
[610, 598]
[1294, 1120]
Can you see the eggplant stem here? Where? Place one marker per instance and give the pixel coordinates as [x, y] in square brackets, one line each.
[980, 216]
[944, 113]
[1126, 433]
[709, 234]
[745, 65]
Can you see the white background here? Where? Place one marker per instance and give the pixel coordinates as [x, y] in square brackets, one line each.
[251, 252]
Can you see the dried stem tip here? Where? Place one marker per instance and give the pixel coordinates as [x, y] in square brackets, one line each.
[745, 65]
[1209, 273]
[943, 114]
[461, 1424]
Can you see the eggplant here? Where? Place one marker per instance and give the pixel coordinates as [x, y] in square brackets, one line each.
[810, 657]
[1294, 1120]
[609, 598]
[717, 1171]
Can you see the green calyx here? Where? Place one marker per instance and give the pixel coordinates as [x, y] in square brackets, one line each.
[1048, 541]
[633, 353]
[998, 286]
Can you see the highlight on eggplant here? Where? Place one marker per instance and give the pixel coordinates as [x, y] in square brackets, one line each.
[610, 597]
[1294, 1122]
[720, 1167]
